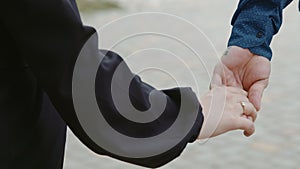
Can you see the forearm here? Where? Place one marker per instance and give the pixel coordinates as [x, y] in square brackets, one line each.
[255, 22]
[50, 36]
[181, 108]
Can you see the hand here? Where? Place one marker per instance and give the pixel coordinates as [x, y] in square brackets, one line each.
[243, 69]
[223, 111]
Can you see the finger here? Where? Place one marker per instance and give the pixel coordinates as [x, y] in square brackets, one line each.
[249, 110]
[256, 92]
[249, 118]
[247, 125]
[216, 80]
[245, 132]
[237, 90]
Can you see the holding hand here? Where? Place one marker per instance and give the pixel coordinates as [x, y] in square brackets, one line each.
[245, 70]
[226, 109]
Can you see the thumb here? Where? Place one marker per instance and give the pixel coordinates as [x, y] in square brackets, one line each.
[216, 80]
[256, 92]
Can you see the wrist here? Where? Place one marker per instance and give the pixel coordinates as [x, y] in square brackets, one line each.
[205, 110]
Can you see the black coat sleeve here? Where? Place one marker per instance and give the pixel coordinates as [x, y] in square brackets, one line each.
[49, 35]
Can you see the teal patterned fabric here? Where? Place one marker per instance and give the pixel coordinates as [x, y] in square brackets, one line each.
[255, 22]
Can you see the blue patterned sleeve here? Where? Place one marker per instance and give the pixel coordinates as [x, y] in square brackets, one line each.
[255, 22]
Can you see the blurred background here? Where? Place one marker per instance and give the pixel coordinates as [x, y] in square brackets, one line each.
[276, 143]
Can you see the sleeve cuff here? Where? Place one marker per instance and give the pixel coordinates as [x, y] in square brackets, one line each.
[160, 140]
[253, 33]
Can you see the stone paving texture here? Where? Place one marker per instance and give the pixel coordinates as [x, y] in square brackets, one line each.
[276, 141]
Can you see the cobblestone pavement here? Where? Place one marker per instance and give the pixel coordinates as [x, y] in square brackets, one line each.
[276, 141]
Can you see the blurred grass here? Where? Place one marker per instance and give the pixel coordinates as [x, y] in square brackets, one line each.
[94, 5]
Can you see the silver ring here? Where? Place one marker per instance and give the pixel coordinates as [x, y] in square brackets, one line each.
[243, 104]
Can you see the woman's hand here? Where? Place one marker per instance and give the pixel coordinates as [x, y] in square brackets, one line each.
[226, 109]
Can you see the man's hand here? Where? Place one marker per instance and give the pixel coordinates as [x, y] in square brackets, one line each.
[241, 68]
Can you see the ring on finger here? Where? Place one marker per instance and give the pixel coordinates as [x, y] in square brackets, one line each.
[243, 104]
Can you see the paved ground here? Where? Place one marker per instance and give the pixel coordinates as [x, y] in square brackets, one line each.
[276, 142]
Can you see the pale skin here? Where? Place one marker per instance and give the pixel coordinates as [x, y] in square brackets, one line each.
[223, 112]
[242, 69]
